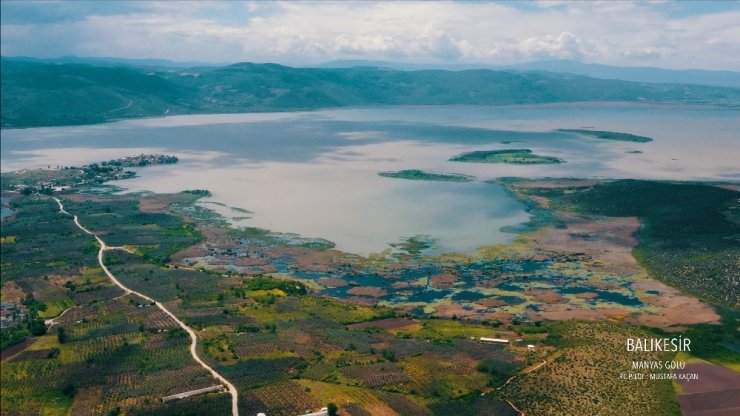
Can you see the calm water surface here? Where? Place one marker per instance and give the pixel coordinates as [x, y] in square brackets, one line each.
[315, 173]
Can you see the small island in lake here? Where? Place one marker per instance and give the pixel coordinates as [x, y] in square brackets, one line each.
[513, 156]
[609, 135]
[420, 175]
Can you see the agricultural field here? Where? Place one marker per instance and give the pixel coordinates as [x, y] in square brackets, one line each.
[107, 352]
[585, 378]
[269, 335]
[284, 317]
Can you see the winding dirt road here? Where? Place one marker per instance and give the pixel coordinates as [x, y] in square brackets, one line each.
[193, 337]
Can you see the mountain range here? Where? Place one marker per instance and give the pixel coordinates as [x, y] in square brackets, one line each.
[624, 73]
[51, 93]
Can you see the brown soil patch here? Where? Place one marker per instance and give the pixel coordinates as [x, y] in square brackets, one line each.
[715, 392]
[712, 377]
[608, 239]
[332, 282]
[12, 350]
[11, 292]
[379, 409]
[322, 261]
[500, 316]
[198, 250]
[564, 312]
[153, 205]
[403, 285]
[545, 296]
[268, 268]
[587, 295]
[374, 292]
[454, 311]
[58, 279]
[250, 261]
[442, 281]
[491, 302]
[380, 345]
[714, 403]
[676, 308]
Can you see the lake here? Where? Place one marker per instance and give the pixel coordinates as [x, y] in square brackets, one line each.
[315, 173]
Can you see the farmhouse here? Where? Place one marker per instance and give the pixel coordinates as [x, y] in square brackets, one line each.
[494, 340]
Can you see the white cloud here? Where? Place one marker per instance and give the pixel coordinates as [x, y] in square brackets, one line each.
[564, 46]
[622, 33]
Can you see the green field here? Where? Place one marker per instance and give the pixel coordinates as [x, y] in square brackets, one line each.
[275, 337]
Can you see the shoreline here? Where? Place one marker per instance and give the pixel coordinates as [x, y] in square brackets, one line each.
[300, 112]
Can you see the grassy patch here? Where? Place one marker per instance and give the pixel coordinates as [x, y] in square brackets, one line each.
[511, 156]
[609, 135]
[420, 175]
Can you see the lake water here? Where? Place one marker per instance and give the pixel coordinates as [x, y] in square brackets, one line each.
[4, 211]
[315, 173]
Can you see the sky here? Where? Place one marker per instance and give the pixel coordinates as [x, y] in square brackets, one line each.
[666, 34]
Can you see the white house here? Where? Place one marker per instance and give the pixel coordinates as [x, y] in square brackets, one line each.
[494, 340]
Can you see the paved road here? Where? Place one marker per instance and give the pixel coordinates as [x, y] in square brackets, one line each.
[193, 337]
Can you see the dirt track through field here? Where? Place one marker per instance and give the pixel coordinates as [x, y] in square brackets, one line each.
[193, 337]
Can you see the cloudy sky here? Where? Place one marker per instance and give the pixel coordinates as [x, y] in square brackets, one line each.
[701, 34]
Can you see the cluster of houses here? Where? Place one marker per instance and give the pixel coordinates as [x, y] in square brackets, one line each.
[93, 173]
[12, 315]
[142, 160]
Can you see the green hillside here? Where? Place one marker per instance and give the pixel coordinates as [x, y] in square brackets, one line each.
[48, 94]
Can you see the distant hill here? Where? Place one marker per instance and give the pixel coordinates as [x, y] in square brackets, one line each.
[112, 61]
[635, 74]
[48, 94]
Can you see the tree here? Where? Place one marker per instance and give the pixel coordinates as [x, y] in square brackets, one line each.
[35, 325]
[69, 390]
[332, 409]
[61, 335]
